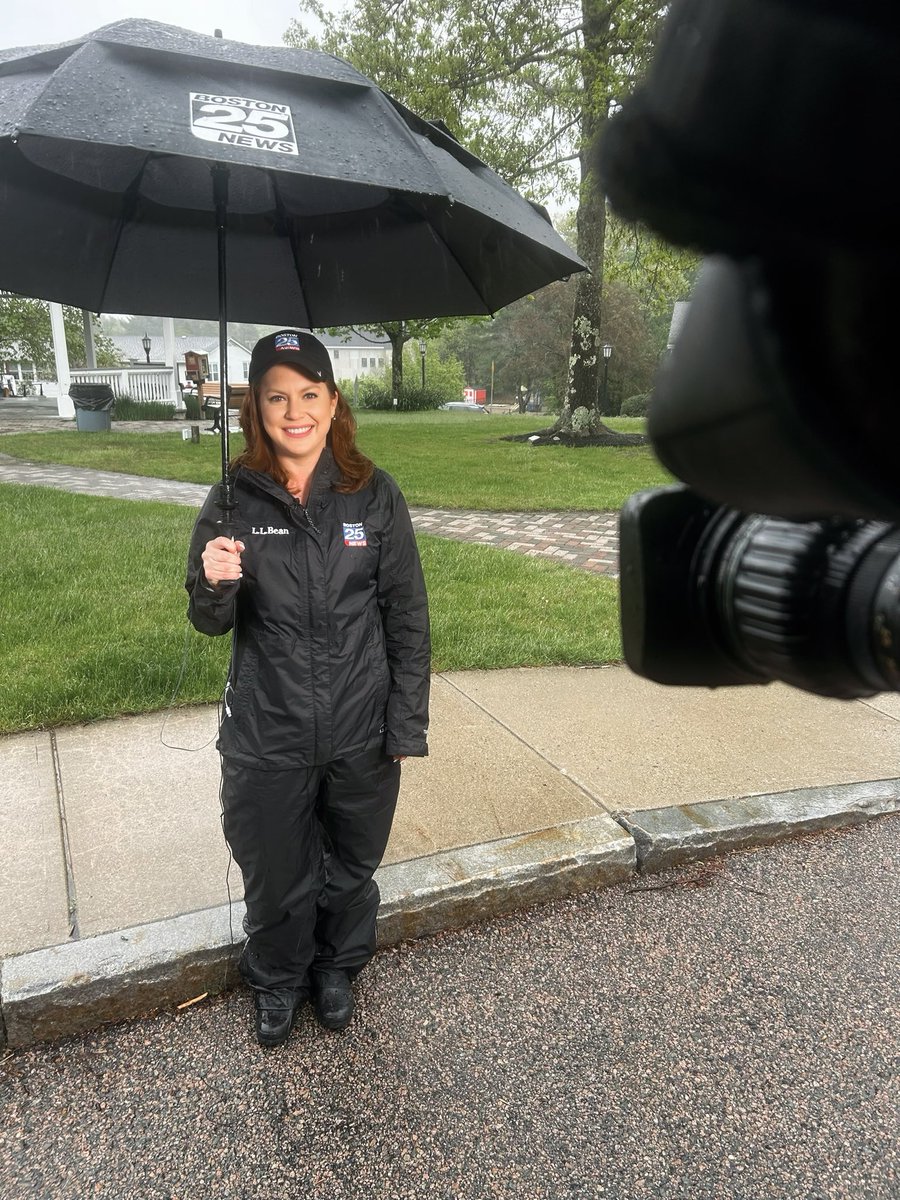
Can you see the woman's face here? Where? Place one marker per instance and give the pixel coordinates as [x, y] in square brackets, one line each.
[296, 413]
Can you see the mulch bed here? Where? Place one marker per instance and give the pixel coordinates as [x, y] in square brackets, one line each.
[550, 437]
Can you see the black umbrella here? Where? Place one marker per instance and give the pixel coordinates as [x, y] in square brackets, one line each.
[126, 154]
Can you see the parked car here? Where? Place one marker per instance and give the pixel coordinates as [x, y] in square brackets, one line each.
[464, 406]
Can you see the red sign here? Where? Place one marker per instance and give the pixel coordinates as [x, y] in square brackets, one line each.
[475, 395]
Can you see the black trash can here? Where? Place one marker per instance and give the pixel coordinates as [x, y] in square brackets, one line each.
[93, 406]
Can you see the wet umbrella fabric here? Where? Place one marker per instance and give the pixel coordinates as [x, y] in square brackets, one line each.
[342, 205]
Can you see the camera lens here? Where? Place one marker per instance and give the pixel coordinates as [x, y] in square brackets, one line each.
[814, 604]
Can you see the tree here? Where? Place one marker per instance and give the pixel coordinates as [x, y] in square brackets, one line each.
[398, 334]
[532, 343]
[528, 343]
[473, 342]
[25, 334]
[528, 86]
[500, 73]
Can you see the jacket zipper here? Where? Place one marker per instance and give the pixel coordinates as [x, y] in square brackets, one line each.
[310, 522]
[306, 549]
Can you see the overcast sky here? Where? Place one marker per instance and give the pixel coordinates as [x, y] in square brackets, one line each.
[34, 22]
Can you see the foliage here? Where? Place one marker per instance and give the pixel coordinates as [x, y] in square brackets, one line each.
[527, 85]
[126, 408]
[399, 334]
[25, 335]
[376, 394]
[528, 345]
[443, 370]
[657, 273]
[502, 74]
[635, 406]
[444, 381]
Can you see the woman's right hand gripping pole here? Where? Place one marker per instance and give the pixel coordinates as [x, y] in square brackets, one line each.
[222, 560]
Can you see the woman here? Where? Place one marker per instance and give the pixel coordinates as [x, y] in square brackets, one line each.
[328, 686]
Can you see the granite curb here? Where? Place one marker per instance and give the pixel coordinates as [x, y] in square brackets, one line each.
[675, 836]
[74, 987]
[77, 986]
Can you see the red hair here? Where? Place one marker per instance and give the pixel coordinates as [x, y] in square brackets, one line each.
[259, 455]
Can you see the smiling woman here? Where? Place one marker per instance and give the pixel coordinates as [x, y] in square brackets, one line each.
[296, 414]
[292, 410]
[328, 686]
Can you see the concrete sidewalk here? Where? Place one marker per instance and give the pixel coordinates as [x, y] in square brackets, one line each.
[113, 889]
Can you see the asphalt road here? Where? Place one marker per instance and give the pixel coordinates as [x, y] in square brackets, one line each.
[726, 1032]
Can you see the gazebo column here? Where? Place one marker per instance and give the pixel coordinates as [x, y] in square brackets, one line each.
[169, 357]
[64, 405]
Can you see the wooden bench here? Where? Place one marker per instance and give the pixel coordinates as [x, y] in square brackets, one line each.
[236, 393]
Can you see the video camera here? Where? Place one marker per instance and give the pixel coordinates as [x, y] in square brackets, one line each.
[762, 137]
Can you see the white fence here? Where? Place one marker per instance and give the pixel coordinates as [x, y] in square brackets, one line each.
[140, 383]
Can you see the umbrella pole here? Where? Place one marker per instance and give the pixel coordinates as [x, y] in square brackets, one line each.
[220, 198]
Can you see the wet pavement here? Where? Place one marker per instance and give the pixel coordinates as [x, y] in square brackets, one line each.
[722, 1032]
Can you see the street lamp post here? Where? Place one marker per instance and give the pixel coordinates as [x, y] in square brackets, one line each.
[422, 348]
[607, 355]
[145, 342]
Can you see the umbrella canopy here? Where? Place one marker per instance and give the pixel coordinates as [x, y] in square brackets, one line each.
[342, 205]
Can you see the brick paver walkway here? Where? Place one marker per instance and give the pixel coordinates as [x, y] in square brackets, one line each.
[588, 541]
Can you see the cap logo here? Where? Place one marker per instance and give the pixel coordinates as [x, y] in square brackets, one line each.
[287, 341]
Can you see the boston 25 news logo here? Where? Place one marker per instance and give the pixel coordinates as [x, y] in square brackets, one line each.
[239, 121]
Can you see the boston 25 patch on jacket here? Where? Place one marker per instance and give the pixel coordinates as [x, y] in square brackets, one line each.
[354, 534]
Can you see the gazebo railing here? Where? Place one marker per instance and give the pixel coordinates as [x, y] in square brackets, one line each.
[140, 383]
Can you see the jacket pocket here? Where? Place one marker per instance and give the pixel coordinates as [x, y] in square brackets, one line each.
[378, 656]
[245, 682]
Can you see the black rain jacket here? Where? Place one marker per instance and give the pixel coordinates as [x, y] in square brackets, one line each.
[331, 652]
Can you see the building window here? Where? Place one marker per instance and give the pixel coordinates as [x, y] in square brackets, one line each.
[245, 367]
[364, 362]
[335, 354]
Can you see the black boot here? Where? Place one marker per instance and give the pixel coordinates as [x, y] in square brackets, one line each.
[333, 997]
[276, 1010]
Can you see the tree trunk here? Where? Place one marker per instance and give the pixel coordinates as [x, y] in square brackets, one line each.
[585, 374]
[398, 338]
[585, 368]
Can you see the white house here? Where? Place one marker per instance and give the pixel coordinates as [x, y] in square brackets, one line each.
[357, 354]
[131, 349]
[353, 355]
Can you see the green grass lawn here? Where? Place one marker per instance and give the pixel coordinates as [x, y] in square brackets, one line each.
[92, 610]
[441, 460]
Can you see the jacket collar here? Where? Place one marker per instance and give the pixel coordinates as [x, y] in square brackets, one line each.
[325, 476]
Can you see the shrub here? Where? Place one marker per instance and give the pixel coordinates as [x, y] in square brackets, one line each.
[192, 408]
[128, 409]
[634, 406]
[375, 393]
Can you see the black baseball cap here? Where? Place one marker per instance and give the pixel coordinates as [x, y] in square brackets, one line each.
[292, 346]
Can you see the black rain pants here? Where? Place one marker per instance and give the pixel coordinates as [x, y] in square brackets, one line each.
[308, 841]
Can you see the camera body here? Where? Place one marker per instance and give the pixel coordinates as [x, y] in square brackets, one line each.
[780, 559]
